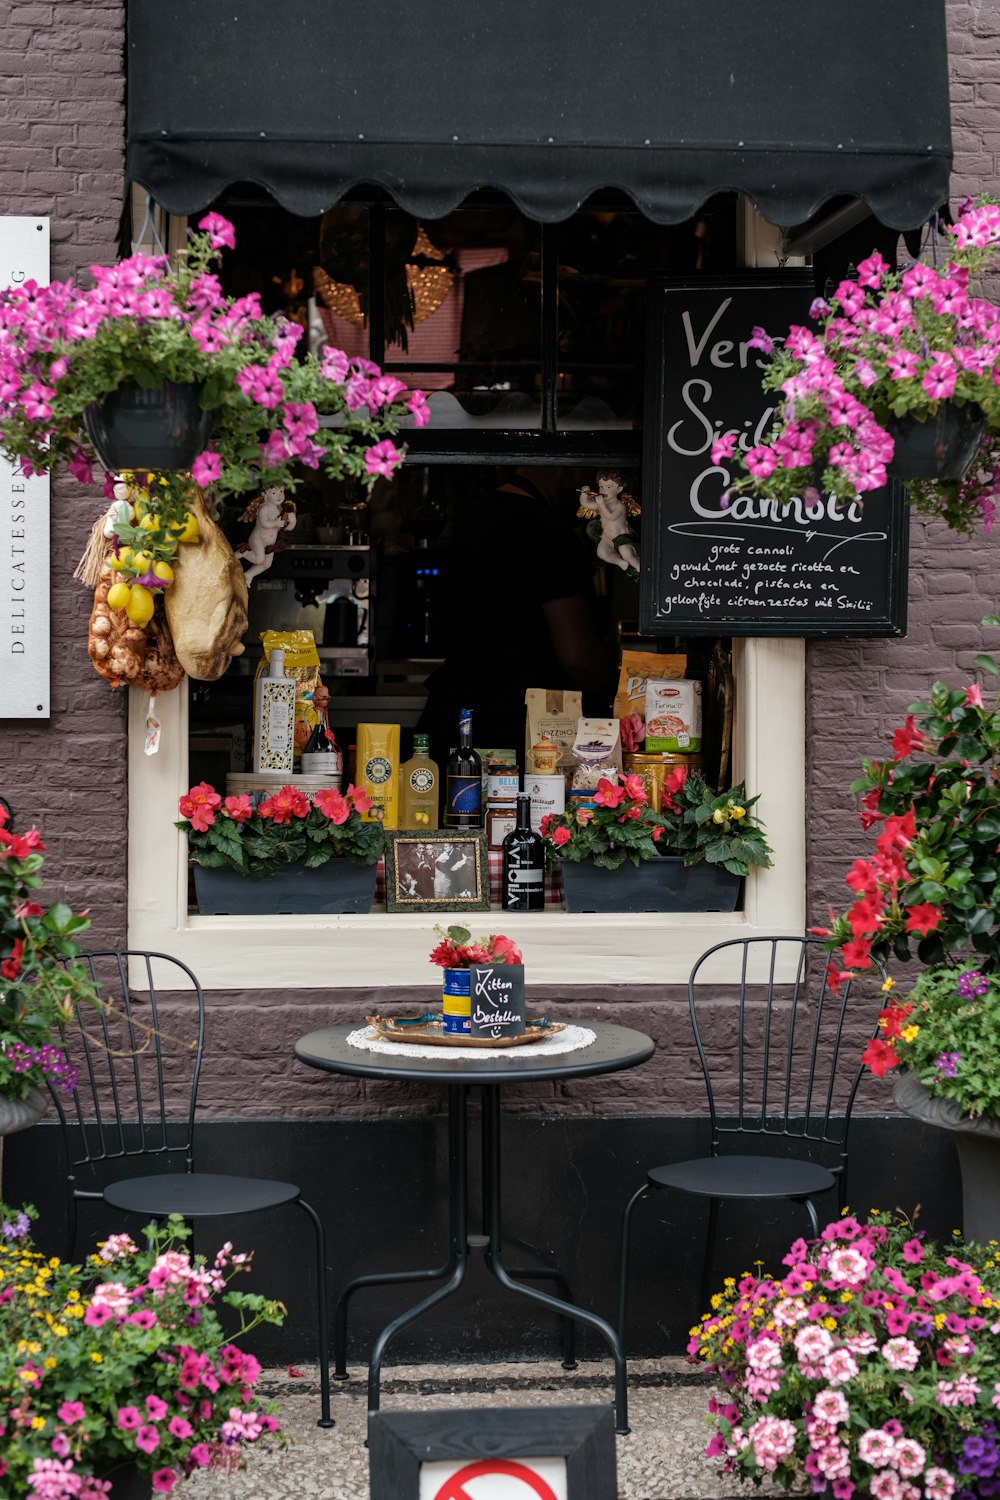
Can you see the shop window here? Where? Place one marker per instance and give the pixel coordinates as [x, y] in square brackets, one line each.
[515, 329]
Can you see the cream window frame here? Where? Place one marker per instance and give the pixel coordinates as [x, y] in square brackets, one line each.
[383, 949]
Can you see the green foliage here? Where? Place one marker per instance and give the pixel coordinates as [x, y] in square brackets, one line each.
[124, 1359]
[286, 828]
[40, 983]
[696, 823]
[932, 889]
[946, 1033]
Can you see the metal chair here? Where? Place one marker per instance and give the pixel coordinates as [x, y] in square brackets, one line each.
[784, 1055]
[139, 1064]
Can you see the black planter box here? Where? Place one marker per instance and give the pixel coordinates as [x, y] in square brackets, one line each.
[339, 887]
[663, 884]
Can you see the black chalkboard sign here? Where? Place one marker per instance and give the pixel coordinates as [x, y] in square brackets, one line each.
[496, 994]
[748, 568]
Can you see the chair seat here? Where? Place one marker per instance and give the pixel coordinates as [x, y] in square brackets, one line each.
[198, 1195]
[744, 1177]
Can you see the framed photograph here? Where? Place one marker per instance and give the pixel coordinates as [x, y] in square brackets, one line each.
[548, 1452]
[443, 871]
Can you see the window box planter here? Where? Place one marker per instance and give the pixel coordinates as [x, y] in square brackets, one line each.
[339, 887]
[663, 884]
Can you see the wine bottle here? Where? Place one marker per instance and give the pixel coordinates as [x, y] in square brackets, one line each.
[321, 755]
[523, 863]
[463, 793]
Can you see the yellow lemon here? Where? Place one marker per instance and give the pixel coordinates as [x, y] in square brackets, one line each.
[140, 605]
[150, 522]
[188, 532]
[123, 560]
[118, 595]
[163, 570]
[142, 561]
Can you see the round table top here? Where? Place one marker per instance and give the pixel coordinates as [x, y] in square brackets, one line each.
[613, 1048]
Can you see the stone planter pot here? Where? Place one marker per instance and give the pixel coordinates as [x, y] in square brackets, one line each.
[943, 447]
[136, 428]
[978, 1145]
[662, 884]
[339, 887]
[18, 1114]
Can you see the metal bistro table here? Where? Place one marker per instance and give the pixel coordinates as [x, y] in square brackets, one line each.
[613, 1048]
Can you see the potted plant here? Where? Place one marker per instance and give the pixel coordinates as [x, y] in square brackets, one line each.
[177, 389]
[40, 984]
[117, 1376]
[288, 853]
[896, 355]
[455, 953]
[931, 892]
[868, 1369]
[620, 855]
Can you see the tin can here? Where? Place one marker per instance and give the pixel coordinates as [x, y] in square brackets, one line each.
[456, 1000]
[548, 795]
[653, 770]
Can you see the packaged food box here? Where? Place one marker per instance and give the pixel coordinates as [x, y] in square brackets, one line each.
[673, 715]
[637, 668]
[552, 712]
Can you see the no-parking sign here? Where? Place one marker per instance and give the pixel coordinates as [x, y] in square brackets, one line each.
[495, 1479]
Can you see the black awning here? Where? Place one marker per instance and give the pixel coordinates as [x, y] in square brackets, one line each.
[790, 102]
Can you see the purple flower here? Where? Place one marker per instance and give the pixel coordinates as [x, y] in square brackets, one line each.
[947, 1063]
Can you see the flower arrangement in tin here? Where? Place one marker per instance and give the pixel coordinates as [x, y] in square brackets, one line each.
[458, 950]
[288, 827]
[123, 1361]
[889, 345]
[694, 822]
[870, 1368]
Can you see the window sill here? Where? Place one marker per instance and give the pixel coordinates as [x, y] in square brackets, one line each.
[561, 948]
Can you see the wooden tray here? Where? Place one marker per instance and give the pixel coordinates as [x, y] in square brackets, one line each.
[429, 1029]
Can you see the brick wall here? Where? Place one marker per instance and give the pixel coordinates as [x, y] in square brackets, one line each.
[63, 124]
[61, 111]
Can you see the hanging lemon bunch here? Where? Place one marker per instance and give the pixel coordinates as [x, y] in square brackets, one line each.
[145, 524]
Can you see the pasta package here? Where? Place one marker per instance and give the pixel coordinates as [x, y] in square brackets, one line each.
[630, 700]
[378, 772]
[597, 753]
[302, 665]
[673, 715]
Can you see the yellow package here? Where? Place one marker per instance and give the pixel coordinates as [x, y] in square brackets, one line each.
[302, 665]
[378, 771]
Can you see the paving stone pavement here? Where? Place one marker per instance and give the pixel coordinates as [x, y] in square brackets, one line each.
[661, 1459]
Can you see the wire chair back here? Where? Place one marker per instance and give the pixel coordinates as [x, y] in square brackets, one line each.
[784, 1061]
[138, 1062]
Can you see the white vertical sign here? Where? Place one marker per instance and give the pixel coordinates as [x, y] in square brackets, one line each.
[24, 521]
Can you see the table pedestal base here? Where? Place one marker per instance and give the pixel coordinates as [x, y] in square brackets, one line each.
[463, 1245]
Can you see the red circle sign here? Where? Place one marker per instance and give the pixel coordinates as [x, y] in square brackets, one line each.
[454, 1487]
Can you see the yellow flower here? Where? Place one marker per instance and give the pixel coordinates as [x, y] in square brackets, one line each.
[73, 1296]
[50, 1363]
[28, 1375]
[830, 1323]
[910, 1033]
[60, 1330]
[718, 816]
[97, 1358]
[715, 1302]
[38, 1424]
[890, 984]
[939, 1320]
[736, 812]
[847, 1296]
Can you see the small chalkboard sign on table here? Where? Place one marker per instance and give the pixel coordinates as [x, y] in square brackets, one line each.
[496, 993]
[748, 567]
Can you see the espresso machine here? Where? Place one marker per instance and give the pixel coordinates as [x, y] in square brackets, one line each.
[329, 590]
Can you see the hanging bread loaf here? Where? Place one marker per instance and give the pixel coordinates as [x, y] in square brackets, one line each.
[115, 646]
[207, 602]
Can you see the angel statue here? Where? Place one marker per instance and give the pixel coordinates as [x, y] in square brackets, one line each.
[271, 514]
[608, 510]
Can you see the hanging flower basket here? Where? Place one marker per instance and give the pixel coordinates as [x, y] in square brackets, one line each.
[940, 448]
[138, 427]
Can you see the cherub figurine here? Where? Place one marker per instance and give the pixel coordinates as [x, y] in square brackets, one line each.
[271, 514]
[608, 509]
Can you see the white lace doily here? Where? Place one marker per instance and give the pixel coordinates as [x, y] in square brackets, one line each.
[567, 1040]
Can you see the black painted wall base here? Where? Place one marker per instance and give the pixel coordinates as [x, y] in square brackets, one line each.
[380, 1185]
